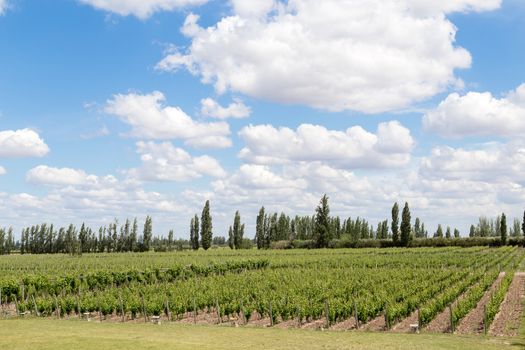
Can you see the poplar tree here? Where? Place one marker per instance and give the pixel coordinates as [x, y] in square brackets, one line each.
[417, 228]
[206, 227]
[231, 240]
[405, 226]
[503, 229]
[237, 230]
[439, 232]
[194, 233]
[448, 233]
[523, 224]
[259, 230]
[147, 233]
[472, 232]
[321, 228]
[456, 233]
[395, 224]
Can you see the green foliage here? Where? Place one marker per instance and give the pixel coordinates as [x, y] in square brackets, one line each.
[322, 230]
[406, 227]
[206, 226]
[503, 229]
[395, 224]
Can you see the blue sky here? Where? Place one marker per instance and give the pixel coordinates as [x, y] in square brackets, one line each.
[115, 108]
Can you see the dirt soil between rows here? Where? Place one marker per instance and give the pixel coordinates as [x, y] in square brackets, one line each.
[507, 321]
[473, 322]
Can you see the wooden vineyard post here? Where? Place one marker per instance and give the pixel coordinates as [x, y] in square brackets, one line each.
[23, 293]
[271, 314]
[122, 315]
[327, 312]
[419, 318]
[57, 310]
[242, 311]
[1, 302]
[195, 312]
[485, 321]
[219, 318]
[356, 315]
[387, 322]
[16, 306]
[298, 317]
[168, 313]
[78, 308]
[34, 305]
[144, 308]
[451, 319]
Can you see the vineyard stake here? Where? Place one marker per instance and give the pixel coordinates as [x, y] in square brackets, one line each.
[327, 312]
[34, 304]
[485, 321]
[271, 315]
[218, 311]
[23, 293]
[451, 318]
[356, 316]
[57, 311]
[419, 318]
[78, 308]
[168, 313]
[144, 309]
[298, 317]
[194, 311]
[387, 323]
[16, 306]
[122, 315]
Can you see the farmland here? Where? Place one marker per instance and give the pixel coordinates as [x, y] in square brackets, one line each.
[364, 289]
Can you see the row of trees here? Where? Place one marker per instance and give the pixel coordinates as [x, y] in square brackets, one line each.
[44, 239]
[7, 241]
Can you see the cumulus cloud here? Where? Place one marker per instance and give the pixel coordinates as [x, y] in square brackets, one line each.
[2, 170]
[47, 175]
[236, 109]
[164, 162]
[333, 55]
[142, 9]
[479, 114]
[354, 148]
[493, 163]
[149, 118]
[21, 143]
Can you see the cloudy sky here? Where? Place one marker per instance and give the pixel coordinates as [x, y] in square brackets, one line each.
[123, 108]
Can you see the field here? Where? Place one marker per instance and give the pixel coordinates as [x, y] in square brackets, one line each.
[381, 295]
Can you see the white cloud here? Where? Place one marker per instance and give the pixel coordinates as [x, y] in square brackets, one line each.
[164, 162]
[142, 9]
[236, 109]
[334, 55]
[493, 163]
[2, 170]
[21, 143]
[354, 148]
[3, 6]
[46, 175]
[479, 114]
[150, 119]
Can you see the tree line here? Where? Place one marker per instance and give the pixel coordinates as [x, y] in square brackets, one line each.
[320, 229]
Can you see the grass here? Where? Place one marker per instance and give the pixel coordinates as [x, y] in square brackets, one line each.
[73, 334]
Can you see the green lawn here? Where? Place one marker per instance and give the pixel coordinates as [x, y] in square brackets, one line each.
[52, 334]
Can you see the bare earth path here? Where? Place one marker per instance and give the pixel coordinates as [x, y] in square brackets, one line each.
[404, 325]
[507, 321]
[473, 322]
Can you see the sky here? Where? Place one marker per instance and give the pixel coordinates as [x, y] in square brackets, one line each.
[127, 108]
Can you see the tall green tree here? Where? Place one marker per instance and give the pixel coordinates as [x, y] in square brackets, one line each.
[439, 232]
[147, 233]
[448, 234]
[456, 233]
[503, 229]
[231, 239]
[405, 226]
[322, 228]
[170, 239]
[395, 224]
[523, 224]
[206, 226]
[472, 232]
[194, 233]
[237, 238]
[417, 228]
[259, 230]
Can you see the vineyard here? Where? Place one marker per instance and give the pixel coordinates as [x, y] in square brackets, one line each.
[369, 289]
